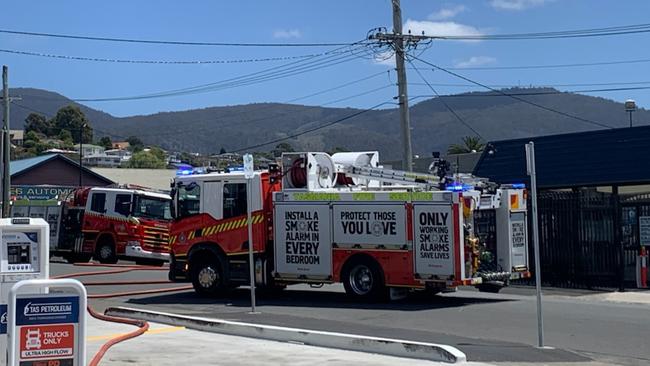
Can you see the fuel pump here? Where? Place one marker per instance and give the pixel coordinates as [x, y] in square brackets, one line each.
[24, 255]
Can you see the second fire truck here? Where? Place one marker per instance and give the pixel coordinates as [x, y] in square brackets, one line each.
[322, 219]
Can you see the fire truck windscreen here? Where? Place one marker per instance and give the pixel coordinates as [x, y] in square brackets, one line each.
[152, 207]
[187, 198]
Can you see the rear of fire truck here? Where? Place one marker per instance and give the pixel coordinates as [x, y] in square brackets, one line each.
[344, 219]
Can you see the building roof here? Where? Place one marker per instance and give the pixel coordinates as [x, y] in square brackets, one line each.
[618, 156]
[18, 167]
[159, 179]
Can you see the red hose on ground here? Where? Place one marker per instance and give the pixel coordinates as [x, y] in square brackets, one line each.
[143, 326]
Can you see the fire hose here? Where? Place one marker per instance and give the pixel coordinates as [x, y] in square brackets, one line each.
[143, 326]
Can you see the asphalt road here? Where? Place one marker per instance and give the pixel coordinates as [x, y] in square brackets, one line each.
[487, 327]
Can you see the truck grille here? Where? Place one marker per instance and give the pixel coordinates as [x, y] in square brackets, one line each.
[156, 239]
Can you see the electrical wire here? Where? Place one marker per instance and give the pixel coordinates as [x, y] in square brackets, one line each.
[580, 33]
[530, 85]
[160, 62]
[332, 58]
[586, 120]
[350, 116]
[550, 92]
[166, 42]
[445, 103]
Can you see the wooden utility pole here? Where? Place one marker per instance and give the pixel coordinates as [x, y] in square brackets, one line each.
[398, 42]
[6, 143]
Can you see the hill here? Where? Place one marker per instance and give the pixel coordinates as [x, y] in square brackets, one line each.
[207, 130]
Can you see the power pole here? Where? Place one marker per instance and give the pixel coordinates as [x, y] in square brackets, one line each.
[6, 143]
[398, 42]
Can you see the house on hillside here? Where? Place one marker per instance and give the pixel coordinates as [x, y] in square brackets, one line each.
[89, 149]
[16, 137]
[121, 145]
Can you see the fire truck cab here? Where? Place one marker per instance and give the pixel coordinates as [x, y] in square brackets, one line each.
[112, 223]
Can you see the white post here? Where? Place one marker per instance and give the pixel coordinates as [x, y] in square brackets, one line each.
[530, 166]
[249, 174]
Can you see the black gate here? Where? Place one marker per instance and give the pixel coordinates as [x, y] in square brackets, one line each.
[579, 244]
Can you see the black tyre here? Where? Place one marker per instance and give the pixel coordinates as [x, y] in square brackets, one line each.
[77, 257]
[207, 276]
[489, 287]
[105, 251]
[364, 280]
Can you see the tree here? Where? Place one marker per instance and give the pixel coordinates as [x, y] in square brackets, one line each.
[146, 160]
[71, 118]
[105, 142]
[222, 151]
[470, 144]
[282, 148]
[135, 144]
[37, 123]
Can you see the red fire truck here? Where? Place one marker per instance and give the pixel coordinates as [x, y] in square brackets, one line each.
[322, 219]
[112, 223]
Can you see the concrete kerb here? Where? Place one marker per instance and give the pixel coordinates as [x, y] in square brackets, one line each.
[350, 342]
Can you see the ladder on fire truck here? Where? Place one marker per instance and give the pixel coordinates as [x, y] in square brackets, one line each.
[383, 175]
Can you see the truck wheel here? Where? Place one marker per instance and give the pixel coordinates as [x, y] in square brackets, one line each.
[363, 280]
[490, 288]
[207, 277]
[105, 252]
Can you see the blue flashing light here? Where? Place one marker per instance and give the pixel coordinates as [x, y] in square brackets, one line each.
[458, 187]
[184, 172]
[519, 185]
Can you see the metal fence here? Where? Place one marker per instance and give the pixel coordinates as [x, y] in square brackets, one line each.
[589, 239]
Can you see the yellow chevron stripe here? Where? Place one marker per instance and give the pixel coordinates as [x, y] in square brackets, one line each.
[219, 228]
[259, 219]
[242, 222]
[190, 236]
[211, 230]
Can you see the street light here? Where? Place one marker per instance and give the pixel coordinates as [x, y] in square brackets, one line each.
[630, 106]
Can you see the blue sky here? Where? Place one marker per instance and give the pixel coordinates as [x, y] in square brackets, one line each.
[312, 22]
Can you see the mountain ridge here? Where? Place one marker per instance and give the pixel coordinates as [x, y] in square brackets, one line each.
[207, 130]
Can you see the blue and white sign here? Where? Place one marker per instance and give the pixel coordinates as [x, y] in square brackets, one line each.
[47, 310]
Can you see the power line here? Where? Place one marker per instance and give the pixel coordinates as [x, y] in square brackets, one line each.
[350, 116]
[514, 96]
[551, 66]
[580, 33]
[166, 42]
[532, 85]
[160, 62]
[445, 103]
[332, 58]
[550, 92]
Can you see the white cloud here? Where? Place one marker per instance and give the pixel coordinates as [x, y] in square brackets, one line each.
[476, 61]
[287, 33]
[517, 4]
[440, 28]
[447, 13]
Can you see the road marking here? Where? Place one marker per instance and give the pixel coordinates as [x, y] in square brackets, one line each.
[151, 331]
